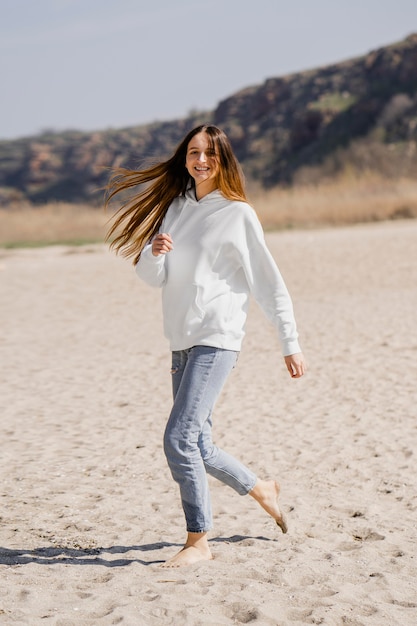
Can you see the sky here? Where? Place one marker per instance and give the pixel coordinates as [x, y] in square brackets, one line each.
[101, 64]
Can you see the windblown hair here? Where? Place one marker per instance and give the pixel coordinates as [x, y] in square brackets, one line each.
[140, 218]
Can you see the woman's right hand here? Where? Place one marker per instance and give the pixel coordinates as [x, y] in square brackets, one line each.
[161, 244]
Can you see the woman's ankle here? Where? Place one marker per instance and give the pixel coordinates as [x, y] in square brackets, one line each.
[197, 540]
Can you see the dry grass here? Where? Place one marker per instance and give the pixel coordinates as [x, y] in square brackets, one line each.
[51, 224]
[347, 200]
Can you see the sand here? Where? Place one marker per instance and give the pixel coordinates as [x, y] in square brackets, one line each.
[89, 510]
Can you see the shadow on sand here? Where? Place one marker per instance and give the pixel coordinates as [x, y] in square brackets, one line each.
[53, 555]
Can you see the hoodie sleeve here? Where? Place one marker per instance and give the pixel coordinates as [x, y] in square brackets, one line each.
[266, 283]
[151, 268]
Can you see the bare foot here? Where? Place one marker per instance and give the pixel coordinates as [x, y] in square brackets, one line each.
[187, 556]
[196, 549]
[266, 493]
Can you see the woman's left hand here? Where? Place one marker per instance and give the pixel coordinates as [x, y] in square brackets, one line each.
[296, 364]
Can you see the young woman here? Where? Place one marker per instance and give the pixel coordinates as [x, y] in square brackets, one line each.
[192, 233]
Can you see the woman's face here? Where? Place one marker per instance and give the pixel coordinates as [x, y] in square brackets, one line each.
[201, 162]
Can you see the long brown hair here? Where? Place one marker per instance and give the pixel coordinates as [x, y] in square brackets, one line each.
[140, 217]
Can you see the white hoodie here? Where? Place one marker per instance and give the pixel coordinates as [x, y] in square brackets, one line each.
[219, 258]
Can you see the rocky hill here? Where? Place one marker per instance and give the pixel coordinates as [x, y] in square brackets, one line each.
[361, 113]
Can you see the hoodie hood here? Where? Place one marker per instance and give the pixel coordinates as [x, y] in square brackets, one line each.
[211, 197]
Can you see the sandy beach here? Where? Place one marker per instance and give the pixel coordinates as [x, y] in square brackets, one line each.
[89, 510]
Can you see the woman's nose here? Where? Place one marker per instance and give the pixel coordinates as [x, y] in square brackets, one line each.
[202, 157]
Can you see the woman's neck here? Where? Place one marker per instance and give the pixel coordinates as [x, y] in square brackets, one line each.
[204, 188]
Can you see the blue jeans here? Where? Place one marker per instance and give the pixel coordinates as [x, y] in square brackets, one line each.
[198, 376]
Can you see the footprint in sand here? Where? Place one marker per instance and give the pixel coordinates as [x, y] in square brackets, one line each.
[242, 614]
[368, 535]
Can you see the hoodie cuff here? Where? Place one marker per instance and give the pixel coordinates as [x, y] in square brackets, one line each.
[291, 347]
